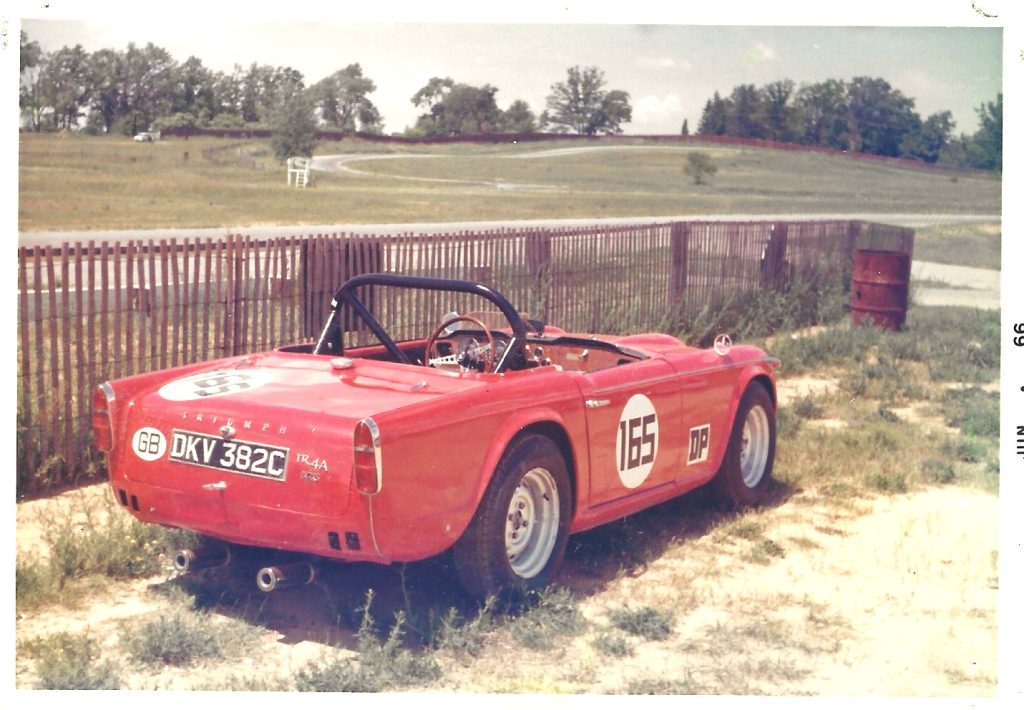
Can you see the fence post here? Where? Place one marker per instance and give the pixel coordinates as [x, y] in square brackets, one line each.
[538, 260]
[680, 241]
[774, 273]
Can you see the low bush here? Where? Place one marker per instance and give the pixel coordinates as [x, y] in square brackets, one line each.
[612, 644]
[378, 666]
[545, 618]
[180, 636]
[646, 622]
[67, 661]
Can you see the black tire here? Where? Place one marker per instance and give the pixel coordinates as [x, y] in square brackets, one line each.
[745, 475]
[513, 542]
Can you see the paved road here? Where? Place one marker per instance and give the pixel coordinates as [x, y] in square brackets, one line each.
[969, 286]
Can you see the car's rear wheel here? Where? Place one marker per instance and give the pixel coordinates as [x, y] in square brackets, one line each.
[746, 471]
[518, 536]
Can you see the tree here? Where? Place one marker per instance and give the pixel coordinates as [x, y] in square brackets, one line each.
[30, 53]
[581, 105]
[228, 90]
[518, 118]
[613, 112]
[778, 115]
[713, 119]
[456, 109]
[822, 114]
[686, 128]
[928, 142]
[342, 101]
[195, 91]
[106, 74]
[985, 150]
[700, 166]
[744, 116]
[65, 85]
[147, 87]
[30, 97]
[293, 124]
[880, 116]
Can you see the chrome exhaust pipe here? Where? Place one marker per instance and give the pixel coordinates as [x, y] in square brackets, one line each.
[284, 576]
[203, 557]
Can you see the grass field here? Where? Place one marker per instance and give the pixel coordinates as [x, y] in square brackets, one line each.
[93, 183]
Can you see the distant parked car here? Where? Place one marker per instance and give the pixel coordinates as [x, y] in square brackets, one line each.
[146, 137]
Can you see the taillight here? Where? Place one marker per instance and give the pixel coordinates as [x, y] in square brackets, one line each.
[366, 457]
[102, 429]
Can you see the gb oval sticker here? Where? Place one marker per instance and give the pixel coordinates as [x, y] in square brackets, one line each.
[212, 384]
[149, 444]
[636, 444]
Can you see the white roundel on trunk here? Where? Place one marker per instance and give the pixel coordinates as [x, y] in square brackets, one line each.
[636, 443]
[212, 384]
[149, 444]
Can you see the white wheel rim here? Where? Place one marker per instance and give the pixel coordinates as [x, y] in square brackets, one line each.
[531, 525]
[754, 444]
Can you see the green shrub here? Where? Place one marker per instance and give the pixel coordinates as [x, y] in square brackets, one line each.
[646, 622]
[464, 637]
[700, 167]
[66, 661]
[888, 481]
[181, 636]
[33, 583]
[379, 665]
[98, 537]
[612, 644]
[938, 471]
[970, 449]
[546, 618]
[763, 551]
[807, 407]
[973, 410]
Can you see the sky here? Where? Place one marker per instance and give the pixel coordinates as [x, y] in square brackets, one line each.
[668, 67]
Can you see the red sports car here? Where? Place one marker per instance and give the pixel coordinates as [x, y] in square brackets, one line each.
[489, 434]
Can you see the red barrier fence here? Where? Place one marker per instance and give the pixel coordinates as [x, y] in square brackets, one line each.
[95, 311]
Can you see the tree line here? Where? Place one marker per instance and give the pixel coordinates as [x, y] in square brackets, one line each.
[145, 88]
[864, 115]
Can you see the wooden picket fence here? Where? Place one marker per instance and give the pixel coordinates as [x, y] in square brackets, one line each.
[93, 311]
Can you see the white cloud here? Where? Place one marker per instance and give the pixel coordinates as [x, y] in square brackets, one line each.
[657, 114]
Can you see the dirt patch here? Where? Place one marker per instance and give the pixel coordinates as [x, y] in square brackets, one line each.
[892, 596]
[791, 388]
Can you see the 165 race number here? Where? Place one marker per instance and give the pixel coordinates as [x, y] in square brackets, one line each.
[636, 443]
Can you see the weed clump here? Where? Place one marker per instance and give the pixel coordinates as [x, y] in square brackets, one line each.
[464, 638]
[646, 622]
[378, 665]
[974, 411]
[181, 636]
[545, 618]
[66, 661]
[612, 644]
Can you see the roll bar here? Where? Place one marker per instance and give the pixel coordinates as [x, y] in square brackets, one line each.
[347, 294]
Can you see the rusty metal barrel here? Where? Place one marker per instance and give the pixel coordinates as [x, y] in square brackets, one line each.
[880, 286]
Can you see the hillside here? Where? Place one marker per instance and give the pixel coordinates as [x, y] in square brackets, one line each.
[93, 183]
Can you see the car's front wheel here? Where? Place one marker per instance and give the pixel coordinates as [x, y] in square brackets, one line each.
[518, 536]
[745, 475]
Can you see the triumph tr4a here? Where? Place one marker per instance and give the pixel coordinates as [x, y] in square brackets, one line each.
[396, 437]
